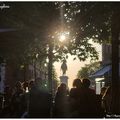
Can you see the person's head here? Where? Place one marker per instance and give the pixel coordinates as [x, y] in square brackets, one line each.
[86, 83]
[25, 84]
[62, 88]
[38, 82]
[31, 84]
[7, 88]
[18, 85]
[77, 83]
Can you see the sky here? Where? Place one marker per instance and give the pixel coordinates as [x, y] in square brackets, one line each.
[75, 65]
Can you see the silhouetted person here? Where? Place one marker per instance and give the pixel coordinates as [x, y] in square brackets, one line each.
[87, 101]
[100, 105]
[25, 85]
[102, 94]
[107, 100]
[26, 98]
[39, 101]
[6, 103]
[73, 98]
[1, 103]
[61, 101]
[31, 84]
[16, 101]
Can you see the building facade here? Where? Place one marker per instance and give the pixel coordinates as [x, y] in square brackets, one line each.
[103, 76]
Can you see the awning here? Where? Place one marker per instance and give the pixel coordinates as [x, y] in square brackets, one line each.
[100, 79]
[101, 71]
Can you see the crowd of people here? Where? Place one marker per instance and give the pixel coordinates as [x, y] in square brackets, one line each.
[31, 100]
[82, 102]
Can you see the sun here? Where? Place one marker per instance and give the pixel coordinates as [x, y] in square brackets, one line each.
[62, 37]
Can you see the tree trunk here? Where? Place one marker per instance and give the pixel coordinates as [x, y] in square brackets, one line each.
[115, 106]
[35, 75]
[50, 76]
[50, 57]
[24, 72]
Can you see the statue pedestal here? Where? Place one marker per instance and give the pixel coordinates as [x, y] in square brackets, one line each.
[64, 79]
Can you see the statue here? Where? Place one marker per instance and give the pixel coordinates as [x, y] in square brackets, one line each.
[64, 67]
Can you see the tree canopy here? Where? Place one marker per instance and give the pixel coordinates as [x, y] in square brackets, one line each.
[91, 19]
[88, 69]
[36, 25]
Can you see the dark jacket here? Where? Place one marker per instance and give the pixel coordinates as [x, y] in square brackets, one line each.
[39, 103]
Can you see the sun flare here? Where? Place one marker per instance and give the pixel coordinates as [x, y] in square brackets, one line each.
[62, 38]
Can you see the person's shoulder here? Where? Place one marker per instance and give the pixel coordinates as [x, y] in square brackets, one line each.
[92, 91]
[73, 89]
[45, 92]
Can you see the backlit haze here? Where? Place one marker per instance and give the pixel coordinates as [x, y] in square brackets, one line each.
[75, 65]
[72, 65]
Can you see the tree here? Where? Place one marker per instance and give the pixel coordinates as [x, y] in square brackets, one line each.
[34, 20]
[84, 20]
[100, 22]
[44, 27]
[88, 69]
[55, 81]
